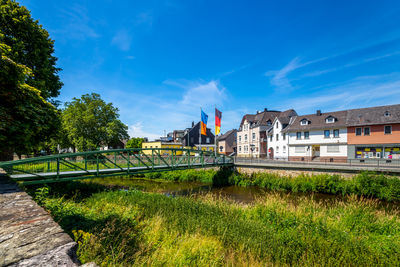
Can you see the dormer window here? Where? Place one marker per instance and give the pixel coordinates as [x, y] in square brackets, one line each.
[330, 119]
[304, 122]
[387, 114]
[269, 123]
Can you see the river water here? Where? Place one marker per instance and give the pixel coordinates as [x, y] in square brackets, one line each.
[243, 195]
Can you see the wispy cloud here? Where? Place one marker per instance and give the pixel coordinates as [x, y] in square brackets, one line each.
[204, 94]
[352, 64]
[280, 77]
[77, 24]
[145, 18]
[137, 130]
[122, 39]
[358, 92]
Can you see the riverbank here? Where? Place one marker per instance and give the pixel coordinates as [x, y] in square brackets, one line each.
[366, 184]
[130, 227]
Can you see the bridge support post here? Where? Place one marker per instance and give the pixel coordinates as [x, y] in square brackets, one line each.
[152, 159]
[128, 160]
[58, 168]
[97, 163]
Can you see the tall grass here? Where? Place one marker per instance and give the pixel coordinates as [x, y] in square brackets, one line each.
[136, 228]
[365, 184]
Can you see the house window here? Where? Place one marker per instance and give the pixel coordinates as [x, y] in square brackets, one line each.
[367, 131]
[284, 149]
[306, 135]
[254, 136]
[277, 149]
[304, 122]
[327, 133]
[299, 149]
[270, 138]
[240, 138]
[330, 120]
[298, 135]
[388, 129]
[246, 148]
[333, 149]
[240, 148]
[277, 137]
[336, 133]
[358, 131]
[208, 140]
[284, 136]
[245, 137]
[276, 125]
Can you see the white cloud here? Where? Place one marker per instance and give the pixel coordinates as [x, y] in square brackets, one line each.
[77, 23]
[204, 94]
[359, 92]
[137, 130]
[280, 77]
[122, 39]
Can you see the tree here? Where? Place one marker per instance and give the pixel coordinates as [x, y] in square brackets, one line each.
[90, 123]
[31, 46]
[135, 142]
[28, 81]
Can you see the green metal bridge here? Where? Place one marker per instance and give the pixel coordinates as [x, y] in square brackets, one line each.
[84, 165]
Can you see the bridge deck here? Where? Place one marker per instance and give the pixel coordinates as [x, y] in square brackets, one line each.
[101, 171]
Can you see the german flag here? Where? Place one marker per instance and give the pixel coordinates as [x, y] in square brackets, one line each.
[203, 123]
[218, 116]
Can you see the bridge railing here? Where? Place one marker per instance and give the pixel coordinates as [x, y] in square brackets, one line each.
[110, 162]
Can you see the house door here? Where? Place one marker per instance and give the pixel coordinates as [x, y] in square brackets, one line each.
[315, 151]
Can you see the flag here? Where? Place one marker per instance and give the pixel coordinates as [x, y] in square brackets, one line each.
[218, 116]
[203, 123]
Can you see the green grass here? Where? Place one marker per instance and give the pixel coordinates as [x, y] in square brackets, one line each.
[365, 184]
[136, 228]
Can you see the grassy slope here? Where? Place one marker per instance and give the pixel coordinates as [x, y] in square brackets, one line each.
[131, 227]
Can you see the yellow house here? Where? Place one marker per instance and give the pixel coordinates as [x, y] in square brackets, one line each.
[160, 144]
[205, 147]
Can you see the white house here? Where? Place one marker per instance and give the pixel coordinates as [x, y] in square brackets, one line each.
[319, 137]
[252, 134]
[277, 139]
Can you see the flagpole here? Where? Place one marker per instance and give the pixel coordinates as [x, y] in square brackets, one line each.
[200, 130]
[215, 131]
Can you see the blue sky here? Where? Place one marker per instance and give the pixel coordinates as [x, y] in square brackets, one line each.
[159, 61]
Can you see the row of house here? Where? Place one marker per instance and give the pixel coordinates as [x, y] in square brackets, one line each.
[188, 138]
[366, 133]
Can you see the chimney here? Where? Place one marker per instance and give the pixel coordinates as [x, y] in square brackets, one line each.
[265, 109]
[319, 112]
[192, 124]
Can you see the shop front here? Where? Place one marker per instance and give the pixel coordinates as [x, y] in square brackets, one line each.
[377, 152]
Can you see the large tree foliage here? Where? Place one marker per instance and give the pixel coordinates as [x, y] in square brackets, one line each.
[28, 81]
[26, 118]
[90, 123]
[31, 46]
[135, 142]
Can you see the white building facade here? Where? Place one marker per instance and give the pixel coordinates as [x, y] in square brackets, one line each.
[318, 137]
[252, 134]
[278, 140]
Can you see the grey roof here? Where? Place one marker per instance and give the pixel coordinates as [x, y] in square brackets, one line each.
[373, 115]
[226, 135]
[260, 118]
[318, 121]
[285, 116]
